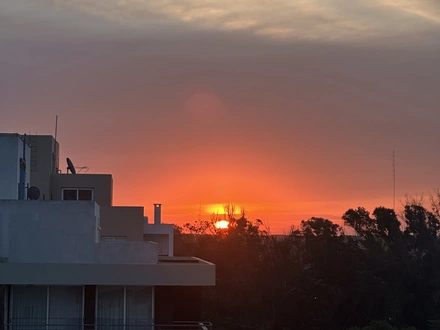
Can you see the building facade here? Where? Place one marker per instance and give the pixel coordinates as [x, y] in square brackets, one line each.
[71, 260]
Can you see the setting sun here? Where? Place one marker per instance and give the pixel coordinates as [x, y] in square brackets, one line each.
[222, 224]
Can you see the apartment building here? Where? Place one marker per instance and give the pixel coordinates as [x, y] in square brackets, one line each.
[70, 259]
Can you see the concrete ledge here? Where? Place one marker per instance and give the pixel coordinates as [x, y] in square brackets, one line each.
[162, 274]
[161, 228]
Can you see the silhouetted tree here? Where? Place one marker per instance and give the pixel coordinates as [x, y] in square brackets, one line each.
[317, 277]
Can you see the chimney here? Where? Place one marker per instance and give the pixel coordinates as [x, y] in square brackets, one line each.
[157, 213]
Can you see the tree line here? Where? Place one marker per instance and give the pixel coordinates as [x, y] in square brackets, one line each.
[386, 275]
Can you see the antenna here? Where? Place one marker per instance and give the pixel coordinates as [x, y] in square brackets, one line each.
[199, 214]
[82, 168]
[394, 178]
[70, 166]
[56, 127]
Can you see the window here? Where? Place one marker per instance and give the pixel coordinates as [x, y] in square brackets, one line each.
[111, 303]
[77, 194]
[139, 306]
[65, 307]
[46, 307]
[30, 305]
[125, 307]
[70, 194]
[85, 195]
[114, 238]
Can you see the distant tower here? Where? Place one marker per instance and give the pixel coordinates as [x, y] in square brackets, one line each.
[394, 179]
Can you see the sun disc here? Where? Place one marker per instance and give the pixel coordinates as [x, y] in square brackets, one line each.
[222, 224]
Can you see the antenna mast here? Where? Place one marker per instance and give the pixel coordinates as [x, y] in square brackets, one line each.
[199, 213]
[56, 127]
[394, 179]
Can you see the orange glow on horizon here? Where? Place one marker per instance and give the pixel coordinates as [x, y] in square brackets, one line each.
[221, 209]
[215, 209]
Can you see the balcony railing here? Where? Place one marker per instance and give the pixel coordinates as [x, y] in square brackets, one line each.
[32, 325]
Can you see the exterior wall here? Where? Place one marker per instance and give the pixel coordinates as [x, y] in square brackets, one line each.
[163, 242]
[48, 231]
[44, 162]
[4, 239]
[126, 253]
[62, 232]
[9, 167]
[101, 183]
[163, 234]
[11, 150]
[122, 221]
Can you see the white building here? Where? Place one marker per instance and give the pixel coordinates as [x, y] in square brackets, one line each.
[75, 261]
[15, 157]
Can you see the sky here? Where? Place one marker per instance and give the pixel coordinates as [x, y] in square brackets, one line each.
[290, 109]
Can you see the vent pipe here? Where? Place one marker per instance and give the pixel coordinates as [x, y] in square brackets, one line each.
[157, 213]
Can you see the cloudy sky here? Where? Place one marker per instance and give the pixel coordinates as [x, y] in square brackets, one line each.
[288, 108]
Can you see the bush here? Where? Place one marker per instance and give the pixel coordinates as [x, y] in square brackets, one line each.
[380, 325]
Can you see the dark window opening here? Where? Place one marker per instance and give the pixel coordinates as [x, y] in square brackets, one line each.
[84, 195]
[75, 194]
[70, 194]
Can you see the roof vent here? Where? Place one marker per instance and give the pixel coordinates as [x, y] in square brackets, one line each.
[157, 213]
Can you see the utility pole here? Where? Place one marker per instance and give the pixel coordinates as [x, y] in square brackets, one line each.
[394, 179]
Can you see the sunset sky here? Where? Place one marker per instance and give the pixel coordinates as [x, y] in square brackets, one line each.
[288, 108]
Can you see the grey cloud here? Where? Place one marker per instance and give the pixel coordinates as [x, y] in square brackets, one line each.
[337, 20]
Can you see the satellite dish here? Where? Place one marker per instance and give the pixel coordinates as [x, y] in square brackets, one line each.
[70, 166]
[33, 193]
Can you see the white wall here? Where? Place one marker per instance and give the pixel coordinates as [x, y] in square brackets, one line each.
[126, 252]
[50, 231]
[11, 149]
[62, 232]
[9, 167]
[163, 234]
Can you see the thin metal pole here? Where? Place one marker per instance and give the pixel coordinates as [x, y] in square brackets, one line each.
[153, 294]
[125, 305]
[56, 127]
[83, 303]
[11, 304]
[394, 179]
[47, 306]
